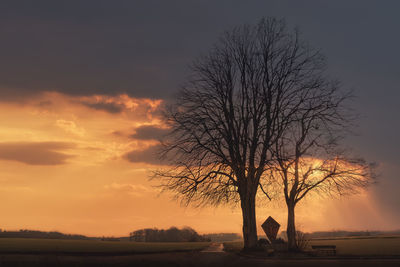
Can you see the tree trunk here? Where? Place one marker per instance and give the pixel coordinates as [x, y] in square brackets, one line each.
[248, 204]
[291, 228]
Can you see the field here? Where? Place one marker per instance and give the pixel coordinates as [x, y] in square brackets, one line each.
[377, 246]
[384, 246]
[78, 253]
[27, 245]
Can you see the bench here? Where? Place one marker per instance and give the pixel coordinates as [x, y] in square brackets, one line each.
[325, 249]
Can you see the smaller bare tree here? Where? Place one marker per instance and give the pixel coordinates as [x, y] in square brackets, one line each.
[308, 154]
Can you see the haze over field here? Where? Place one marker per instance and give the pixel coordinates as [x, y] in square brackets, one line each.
[82, 85]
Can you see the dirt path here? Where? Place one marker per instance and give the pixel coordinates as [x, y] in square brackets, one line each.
[215, 247]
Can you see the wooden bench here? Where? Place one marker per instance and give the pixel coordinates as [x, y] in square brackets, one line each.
[325, 249]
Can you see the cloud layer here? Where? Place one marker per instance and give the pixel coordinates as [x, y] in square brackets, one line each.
[150, 155]
[36, 153]
[149, 132]
[107, 107]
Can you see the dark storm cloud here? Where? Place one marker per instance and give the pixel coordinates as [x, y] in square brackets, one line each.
[143, 47]
[149, 132]
[149, 155]
[35, 153]
[96, 47]
[108, 107]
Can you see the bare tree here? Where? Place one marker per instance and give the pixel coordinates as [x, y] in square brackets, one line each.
[308, 155]
[239, 100]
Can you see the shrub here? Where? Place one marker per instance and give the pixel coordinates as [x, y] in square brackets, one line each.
[301, 240]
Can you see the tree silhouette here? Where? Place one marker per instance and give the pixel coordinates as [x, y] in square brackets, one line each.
[309, 158]
[238, 102]
[173, 234]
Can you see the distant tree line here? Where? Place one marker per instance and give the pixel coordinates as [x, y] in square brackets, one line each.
[327, 234]
[342, 233]
[221, 237]
[39, 234]
[172, 234]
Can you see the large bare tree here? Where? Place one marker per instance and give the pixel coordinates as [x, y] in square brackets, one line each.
[238, 101]
[308, 155]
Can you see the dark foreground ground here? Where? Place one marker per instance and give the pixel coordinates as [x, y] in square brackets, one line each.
[202, 259]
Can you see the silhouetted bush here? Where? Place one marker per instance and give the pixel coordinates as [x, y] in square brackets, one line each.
[262, 242]
[302, 240]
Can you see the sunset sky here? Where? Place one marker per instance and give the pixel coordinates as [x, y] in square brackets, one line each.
[82, 84]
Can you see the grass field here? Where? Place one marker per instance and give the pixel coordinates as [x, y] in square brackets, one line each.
[378, 246]
[363, 246]
[27, 245]
[76, 253]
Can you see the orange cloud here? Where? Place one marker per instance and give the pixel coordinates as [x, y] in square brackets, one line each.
[70, 127]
